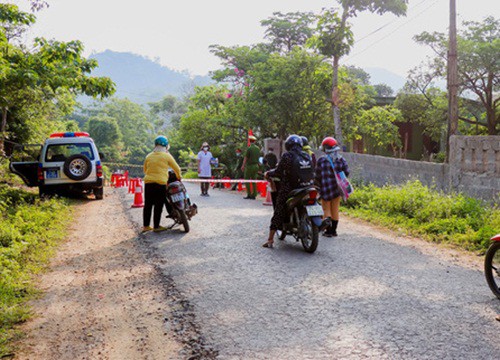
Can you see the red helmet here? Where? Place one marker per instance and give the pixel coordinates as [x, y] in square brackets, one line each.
[329, 143]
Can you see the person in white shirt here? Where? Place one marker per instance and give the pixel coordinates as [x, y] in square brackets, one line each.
[204, 168]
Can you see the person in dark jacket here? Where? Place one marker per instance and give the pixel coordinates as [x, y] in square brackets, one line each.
[293, 144]
[270, 159]
[329, 190]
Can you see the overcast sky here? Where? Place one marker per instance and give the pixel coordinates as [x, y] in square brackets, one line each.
[179, 32]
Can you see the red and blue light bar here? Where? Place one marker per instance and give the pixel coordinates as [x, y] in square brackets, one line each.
[69, 134]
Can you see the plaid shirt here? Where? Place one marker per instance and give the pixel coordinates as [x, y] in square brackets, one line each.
[325, 177]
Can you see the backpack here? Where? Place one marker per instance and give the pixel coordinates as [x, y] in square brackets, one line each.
[301, 172]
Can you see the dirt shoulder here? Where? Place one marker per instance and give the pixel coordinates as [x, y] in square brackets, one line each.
[102, 299]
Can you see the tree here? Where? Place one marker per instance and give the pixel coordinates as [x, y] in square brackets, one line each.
[383, 90]
[334, 38]
[428, 109]
[378, 129]
[167, 112]
[107, 136]
[478, 66]
[286, 31]
[51, 67]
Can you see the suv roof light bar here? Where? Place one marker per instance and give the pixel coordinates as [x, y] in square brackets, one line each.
[69, 134]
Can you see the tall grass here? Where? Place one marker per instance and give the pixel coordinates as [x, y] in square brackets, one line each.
[419, 210]
[29, 230]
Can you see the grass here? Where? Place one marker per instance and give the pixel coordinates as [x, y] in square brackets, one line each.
[29, 231]
[418, 210]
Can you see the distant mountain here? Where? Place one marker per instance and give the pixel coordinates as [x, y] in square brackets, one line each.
[384, 76]
[143, 80]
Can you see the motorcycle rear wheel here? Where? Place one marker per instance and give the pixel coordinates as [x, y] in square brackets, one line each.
[310, 241]
[492, 268]
[184, 220]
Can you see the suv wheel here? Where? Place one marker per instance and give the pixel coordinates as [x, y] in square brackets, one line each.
[77, 167]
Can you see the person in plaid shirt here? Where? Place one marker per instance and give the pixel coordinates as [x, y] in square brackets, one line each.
[329, 190]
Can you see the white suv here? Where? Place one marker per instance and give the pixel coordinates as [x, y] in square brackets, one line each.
[66, 162]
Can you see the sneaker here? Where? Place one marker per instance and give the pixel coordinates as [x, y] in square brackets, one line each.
[160, 229]
[146, 229]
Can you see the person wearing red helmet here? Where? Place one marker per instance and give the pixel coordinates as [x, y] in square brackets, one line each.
[325, 179]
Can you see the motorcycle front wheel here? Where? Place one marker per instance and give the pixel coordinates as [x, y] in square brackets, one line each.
[492, 268]
[310, 234]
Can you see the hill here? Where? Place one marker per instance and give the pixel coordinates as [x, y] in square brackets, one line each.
[384, 76]
[143, 80]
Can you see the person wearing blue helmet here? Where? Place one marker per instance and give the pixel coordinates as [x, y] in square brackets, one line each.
[156, 168]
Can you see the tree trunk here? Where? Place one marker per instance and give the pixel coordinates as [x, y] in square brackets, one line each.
[3, 130]
[491, 120]
[335, 101]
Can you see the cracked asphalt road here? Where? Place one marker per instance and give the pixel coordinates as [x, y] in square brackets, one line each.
[367, 294]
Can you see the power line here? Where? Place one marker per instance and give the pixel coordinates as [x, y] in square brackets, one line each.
[392, 32]
[387, 24]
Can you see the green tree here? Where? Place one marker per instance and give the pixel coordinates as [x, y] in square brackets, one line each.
[50, 67]
[107, 136]
[167, 112]
[383, 90]
[286, 31]
[478, 66]
[377, 127]
[334, 38]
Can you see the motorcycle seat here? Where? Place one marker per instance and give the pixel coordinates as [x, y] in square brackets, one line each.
[301, 190]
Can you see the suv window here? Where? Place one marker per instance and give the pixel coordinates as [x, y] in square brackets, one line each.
[60, 152]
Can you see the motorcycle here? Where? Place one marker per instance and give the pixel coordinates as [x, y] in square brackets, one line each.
[182, 210]
[492, 265]
[304, 218]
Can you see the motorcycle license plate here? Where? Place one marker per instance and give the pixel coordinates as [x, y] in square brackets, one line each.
[178, 197]
[314, 210]
[52, 174]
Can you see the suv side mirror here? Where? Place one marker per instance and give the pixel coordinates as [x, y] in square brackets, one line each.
[101, 156]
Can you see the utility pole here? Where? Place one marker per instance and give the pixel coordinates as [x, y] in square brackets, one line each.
[452, 78]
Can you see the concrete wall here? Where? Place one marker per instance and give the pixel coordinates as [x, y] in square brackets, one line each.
[474, 168]
[475, 165]
[382, 170]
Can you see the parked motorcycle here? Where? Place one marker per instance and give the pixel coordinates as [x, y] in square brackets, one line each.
[182, 208]
[303, 219]
[492, 265]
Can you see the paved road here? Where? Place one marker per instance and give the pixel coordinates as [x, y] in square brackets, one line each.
[362, 295]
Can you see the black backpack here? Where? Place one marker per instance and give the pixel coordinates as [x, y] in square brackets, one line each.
[301, 172]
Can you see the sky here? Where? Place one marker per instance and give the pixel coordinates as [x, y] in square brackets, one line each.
[178, 33]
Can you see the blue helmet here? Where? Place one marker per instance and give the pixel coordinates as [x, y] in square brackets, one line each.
[161, 140]
[291, 141]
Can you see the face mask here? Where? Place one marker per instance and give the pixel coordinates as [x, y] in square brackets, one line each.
[205, 148]
[238, 154]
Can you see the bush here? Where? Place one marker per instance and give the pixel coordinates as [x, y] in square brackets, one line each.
[420, 210]
[29, 230]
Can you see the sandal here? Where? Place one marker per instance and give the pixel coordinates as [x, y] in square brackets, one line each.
[268, 244]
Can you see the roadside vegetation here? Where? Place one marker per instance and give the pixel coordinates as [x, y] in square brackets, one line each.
[419, 210]
[30, 229]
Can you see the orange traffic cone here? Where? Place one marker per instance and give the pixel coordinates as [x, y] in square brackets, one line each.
[138, 201]
[263, 189]
[240, 187]
[269, 199]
